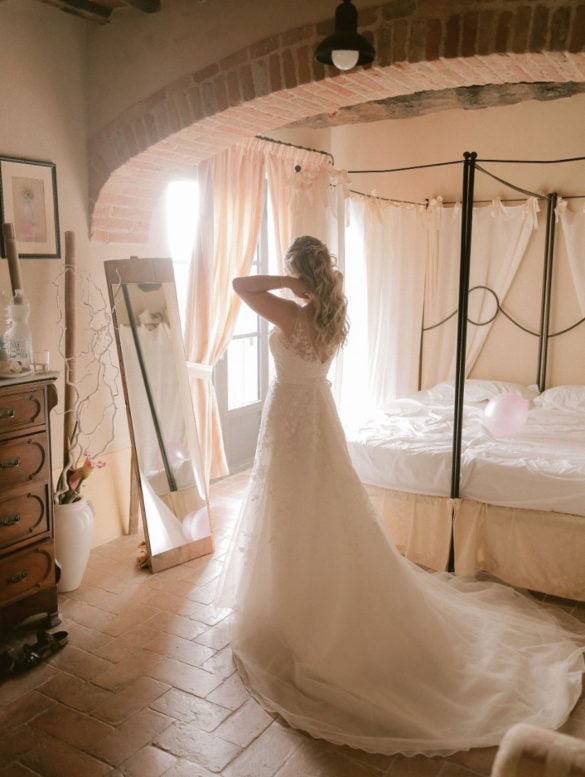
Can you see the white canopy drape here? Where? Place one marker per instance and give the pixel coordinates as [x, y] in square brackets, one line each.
[384, 273]
[500, 236]
[395, 247]
[573, 231]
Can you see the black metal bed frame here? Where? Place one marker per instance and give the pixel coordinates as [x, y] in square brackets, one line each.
[469, 167]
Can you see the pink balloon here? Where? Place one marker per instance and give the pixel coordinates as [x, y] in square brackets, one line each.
[177, 453]
[506, 414]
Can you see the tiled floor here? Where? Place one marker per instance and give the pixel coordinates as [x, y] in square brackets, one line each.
[146, 687]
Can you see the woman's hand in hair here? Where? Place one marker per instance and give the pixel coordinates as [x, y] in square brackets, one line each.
[299, 287]
[257, 292]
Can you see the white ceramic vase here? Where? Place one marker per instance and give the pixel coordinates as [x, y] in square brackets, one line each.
[73, 537]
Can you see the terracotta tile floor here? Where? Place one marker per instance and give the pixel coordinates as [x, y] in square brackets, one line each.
[146, 686]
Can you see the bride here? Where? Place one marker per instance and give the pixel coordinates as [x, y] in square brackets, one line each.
[336, 631]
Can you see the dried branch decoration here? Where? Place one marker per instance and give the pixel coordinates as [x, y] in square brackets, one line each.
[90, 372]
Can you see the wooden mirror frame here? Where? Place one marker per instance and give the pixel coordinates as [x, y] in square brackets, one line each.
[148, 272]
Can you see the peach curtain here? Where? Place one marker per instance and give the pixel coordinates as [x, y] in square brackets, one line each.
[231, 192]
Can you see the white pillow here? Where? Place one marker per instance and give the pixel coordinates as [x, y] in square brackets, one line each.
[441, 393]
[481, 390]
[564, 397]
[477, 390]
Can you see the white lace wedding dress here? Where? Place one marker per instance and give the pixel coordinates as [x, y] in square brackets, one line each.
[346, 639]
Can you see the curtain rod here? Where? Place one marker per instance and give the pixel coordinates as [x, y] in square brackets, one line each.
[486, 172]
[295, 145]
[441, 164]
[460, 161]
[389, 199]
[332, 158]
[510, 185]
[411, 167]
[534, 161]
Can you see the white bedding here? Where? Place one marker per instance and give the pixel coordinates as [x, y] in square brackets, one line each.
[408, 447]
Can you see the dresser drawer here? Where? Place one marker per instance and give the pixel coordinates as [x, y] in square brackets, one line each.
[27, 571]
[24, 459]
[24, 514]
[22, 409]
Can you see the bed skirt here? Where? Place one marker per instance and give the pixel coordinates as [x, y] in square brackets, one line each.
[419, 525]
[542, 551]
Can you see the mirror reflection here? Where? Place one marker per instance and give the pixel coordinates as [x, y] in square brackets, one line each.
[166, 454]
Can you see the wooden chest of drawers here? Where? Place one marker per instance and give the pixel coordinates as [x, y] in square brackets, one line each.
[28, 573]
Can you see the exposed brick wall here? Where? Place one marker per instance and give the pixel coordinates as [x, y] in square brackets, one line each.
[421, 45]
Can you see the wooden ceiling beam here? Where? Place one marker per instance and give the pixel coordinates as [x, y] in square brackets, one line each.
[101, 11]
[85, 8]
[148, 6]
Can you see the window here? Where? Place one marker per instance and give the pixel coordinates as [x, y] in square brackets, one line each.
[241, 376]
[246, 354]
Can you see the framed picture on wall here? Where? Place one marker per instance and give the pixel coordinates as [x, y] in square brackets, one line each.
[28, 201]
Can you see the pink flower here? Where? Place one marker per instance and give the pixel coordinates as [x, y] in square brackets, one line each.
[74, 478]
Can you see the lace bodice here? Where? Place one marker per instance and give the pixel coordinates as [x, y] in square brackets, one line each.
[295, 358]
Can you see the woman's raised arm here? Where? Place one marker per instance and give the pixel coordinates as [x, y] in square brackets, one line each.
[255, 291]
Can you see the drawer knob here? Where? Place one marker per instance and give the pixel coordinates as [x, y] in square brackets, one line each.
[10, 520]
[18, 577]
[7, 412]
[10, 463]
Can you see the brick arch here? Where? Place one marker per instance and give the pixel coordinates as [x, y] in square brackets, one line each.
[422, 45]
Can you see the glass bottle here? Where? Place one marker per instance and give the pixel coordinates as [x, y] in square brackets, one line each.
[4, 326]
[18, 336]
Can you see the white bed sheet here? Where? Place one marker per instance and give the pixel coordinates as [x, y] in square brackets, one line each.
[408, 447]
[540, 468]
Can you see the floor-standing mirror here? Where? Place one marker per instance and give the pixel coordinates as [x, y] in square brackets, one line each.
[166, 466]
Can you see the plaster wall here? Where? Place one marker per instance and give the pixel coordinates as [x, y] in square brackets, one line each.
[43, 116]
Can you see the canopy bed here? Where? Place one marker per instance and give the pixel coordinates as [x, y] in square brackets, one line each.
[456, 496]
[513, 507]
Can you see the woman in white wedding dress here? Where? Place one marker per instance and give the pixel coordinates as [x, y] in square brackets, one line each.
[337, 632]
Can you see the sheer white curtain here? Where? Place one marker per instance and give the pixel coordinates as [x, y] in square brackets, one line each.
[395, 249]
[499, 239]
[441, 291]
[351, 383]
[384, 272]
[573, 231]
[500, 236]
[299, 199]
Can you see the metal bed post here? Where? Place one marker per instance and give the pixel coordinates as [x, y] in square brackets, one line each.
[465, 261]
[546, 290]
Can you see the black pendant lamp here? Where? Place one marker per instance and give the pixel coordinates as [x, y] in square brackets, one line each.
[345, 48]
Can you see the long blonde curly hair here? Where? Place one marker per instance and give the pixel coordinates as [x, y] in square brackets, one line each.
[309, 259]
